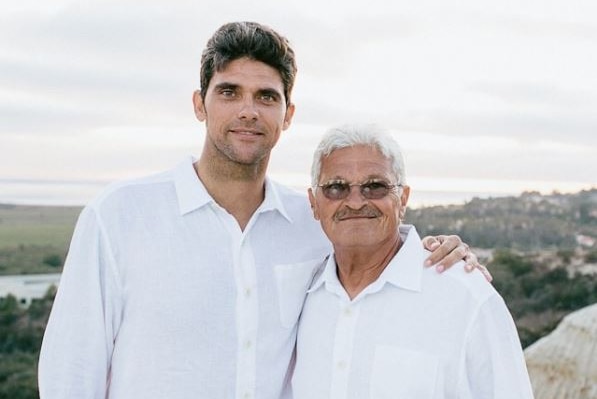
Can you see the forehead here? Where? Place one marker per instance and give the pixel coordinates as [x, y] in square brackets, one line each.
[247, 72]
[356, 163]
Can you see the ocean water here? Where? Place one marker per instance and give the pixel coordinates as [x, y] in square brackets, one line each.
[25, 192]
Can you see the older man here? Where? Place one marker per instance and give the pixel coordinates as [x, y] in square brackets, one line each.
[376, 323]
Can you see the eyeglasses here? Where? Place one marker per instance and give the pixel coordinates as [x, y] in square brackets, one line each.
[374, 189]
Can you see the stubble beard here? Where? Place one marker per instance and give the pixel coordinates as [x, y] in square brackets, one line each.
[241, 166]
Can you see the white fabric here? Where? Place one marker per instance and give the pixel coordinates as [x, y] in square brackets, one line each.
[163, 296]
[412, 333]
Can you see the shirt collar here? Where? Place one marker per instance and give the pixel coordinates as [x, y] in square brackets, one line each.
[328, 274]
[404, 270]
[273, 200]
[190, 191]
[192, 194]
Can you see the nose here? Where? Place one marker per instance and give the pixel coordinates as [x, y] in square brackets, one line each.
[355, 198]
[248, 110]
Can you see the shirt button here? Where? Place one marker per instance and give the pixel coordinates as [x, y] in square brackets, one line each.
[341, 365]
[248, 292]
[247, 395]
[347, 312]
[248, 344]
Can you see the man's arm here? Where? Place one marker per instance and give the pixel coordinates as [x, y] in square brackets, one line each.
[494, 366]
[447, 250]
[78, 341]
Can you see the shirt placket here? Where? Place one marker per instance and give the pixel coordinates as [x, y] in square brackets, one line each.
[246, 307]
[247, 318]
[343, 349]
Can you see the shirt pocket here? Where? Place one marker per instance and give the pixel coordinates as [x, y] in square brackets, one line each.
[403, 373]
[293, 281]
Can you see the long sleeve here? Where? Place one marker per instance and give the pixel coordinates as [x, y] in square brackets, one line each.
[494, 361]
[79, 338]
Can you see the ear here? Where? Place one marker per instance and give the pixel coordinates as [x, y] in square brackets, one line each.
[313, 204]
[404, 200]
[288, 116]
[199, 107]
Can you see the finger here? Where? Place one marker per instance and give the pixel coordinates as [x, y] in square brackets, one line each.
[430, 242]
[457, 255]
[471, 260]
[486, 273]
[443, 253]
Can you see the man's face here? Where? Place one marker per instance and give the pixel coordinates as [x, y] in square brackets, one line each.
[244, 111]
[355, 220]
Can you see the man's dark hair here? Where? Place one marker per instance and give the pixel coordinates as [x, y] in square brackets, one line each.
[252, 40]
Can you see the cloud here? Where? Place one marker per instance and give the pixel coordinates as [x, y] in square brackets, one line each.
[87, 78]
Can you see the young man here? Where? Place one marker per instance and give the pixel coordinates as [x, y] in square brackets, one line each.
[376, 323]
[190, 283]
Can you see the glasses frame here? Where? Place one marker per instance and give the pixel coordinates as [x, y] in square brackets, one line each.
[366, 194]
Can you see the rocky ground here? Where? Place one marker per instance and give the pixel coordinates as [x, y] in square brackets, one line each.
[563, 364]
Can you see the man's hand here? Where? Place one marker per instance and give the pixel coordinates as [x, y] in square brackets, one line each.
[447, 250]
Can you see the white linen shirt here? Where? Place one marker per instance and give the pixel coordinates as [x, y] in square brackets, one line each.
[411, 334]
[163, 296]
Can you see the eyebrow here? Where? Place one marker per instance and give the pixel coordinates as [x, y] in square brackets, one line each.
[366, 179]
[225, 85]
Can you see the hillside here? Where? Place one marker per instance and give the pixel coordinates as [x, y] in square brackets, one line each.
[528, 222]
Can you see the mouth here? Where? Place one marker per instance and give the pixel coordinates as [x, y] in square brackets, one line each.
[355, 218]
[246, 132]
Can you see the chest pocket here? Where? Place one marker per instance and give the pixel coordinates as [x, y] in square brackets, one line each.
[293, 281]
[403, 373]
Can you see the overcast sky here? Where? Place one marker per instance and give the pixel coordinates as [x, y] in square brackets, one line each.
[496, 96]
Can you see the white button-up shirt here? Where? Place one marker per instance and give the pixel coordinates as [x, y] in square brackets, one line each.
[411, 334]
[163, 296]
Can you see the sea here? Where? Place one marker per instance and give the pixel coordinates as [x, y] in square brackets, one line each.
[78, 193]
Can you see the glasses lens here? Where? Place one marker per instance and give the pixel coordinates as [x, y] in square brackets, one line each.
[375, 190]
[335, 191]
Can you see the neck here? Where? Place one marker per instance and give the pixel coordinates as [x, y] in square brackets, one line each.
[359, 267]
[239, 189]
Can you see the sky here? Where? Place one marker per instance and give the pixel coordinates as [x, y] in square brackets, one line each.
[485, 98]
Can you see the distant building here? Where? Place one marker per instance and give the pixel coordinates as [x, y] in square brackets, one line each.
[585, 241]
[27, 287]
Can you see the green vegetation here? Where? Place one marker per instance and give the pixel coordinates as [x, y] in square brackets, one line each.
[539, 295]
[526, 223]
[21, 332]
[34, 239]
[36, 225]
[31, 259]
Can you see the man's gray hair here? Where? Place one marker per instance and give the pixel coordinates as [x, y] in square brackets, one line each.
[351, 135]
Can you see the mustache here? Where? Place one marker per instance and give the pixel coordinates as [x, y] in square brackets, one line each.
[365, 212]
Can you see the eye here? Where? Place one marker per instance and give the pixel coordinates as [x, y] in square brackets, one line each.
[376, 185]
[227, 92]
[375, 189]
[268, 97]
[335, 189]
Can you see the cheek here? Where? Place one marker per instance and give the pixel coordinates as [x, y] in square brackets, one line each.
[326, 214]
